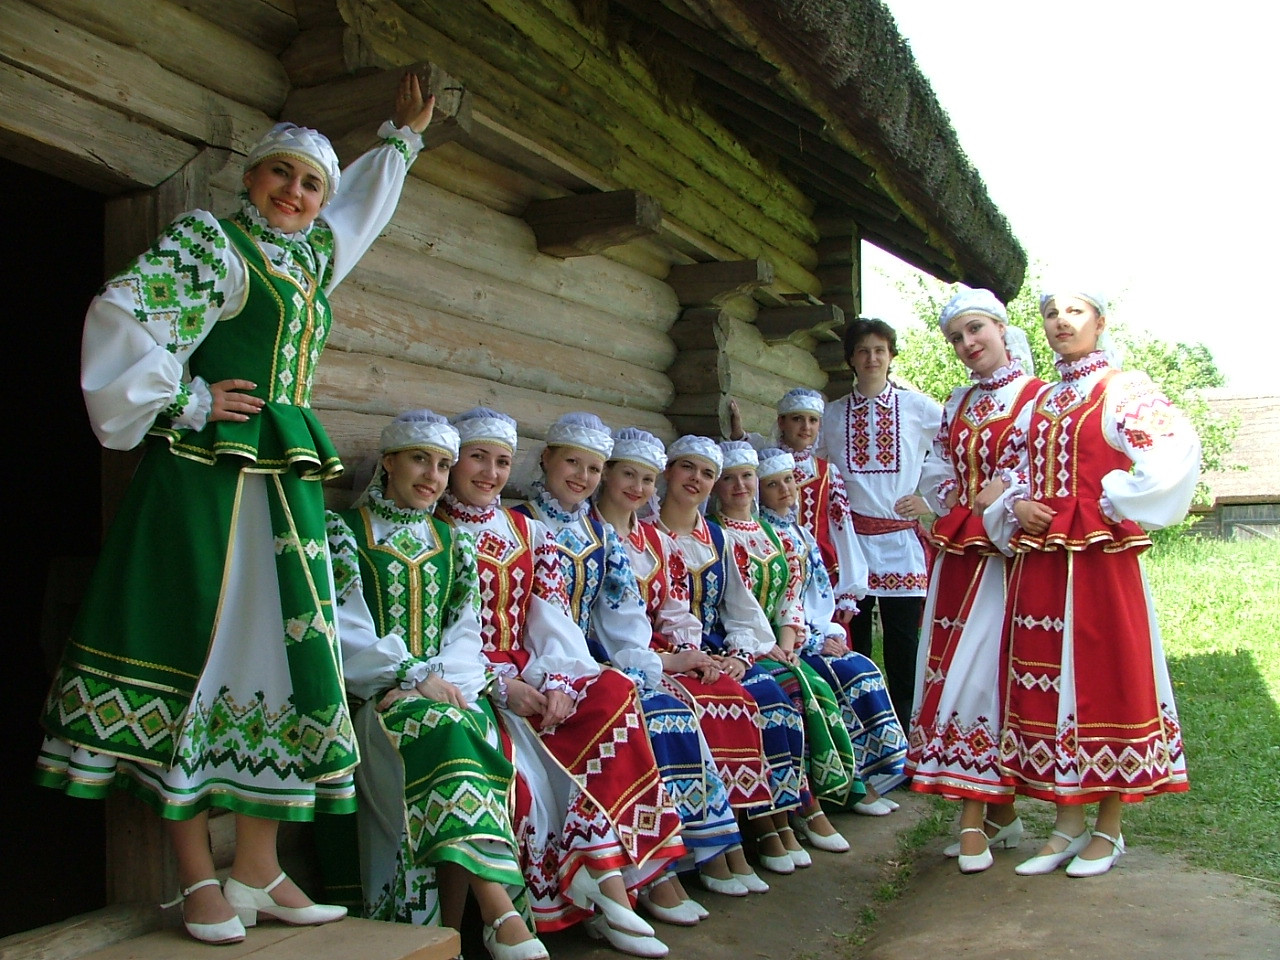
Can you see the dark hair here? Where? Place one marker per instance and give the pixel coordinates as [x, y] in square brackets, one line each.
[863, 327]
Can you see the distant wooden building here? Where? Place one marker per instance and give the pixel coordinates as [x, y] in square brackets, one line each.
[1246, 499]
[636, 207]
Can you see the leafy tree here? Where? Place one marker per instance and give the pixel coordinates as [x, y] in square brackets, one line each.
[1181, 370]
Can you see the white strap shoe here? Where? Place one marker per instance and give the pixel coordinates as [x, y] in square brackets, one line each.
[254, 902]
[531, 949]
[1096, 868]
[224, 931]
[1049, 862]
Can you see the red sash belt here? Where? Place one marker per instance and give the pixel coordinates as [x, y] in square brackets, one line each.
[865, 526]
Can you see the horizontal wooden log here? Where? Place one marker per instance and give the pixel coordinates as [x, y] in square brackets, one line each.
[697, 371]
[43, 125]
[461, 171]
[371, 322]
[703, 426]
[700, 284]
[830, 356]
[190, 45]
[84, 934]
[502, 247]
[562, 96]
[378, 385]
[780, 324]
[440, 285]
[651, 256]
[738, 341]
[698, 405]
[349, 108]
[321, 54]
[270, 24]
[745, 382]
[585, 224]
[123, 79]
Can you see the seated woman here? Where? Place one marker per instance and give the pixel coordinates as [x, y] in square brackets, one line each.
[727, 716]
[605, 601]
[764, 566]
[592, 816]
[433, 780]
[877, 736]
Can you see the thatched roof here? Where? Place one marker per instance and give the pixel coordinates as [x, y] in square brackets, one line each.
[1257, 447]
[831, 89]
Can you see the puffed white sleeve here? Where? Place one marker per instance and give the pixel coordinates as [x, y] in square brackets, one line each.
[619, 621]
[817, 597]
[938, 476]
[558, 650]
[1163, 446]
[746, 628]
[146, 322]
[674, 619]
[1013, 465]
[929, 423]
[367, 197]
[851, 585]
[371, 663]
[461, 658]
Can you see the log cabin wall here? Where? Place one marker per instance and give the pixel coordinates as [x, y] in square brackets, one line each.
[152, 104]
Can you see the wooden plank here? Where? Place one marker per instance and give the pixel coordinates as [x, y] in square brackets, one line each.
[351, 937]
[356, 105]
[441, 285]
[43, 125]
[196, 47]
[701, 284]
[380, 385]
[372, 322]
[125, 80]
[585, 224]
[444, 225]
[780, 324]
[83, 934]
[271, 24]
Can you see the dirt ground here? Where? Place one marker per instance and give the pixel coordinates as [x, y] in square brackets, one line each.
[1150, 906]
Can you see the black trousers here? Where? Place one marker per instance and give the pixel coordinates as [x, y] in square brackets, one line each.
[900, 621]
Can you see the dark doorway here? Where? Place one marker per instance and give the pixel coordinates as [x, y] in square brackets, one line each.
[50, 267]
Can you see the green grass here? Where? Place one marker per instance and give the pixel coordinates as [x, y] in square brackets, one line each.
[1219, 612]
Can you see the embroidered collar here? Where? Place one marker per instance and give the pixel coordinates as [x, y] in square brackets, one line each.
[1079, 369]
[1001, 378]
[883, 399]
[778, 519]
[554, 509]
[750, 526]
[805, 454]
[385, 509]
[455, 509]
[288, 251]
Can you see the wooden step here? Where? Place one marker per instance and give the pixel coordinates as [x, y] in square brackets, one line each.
[365, 939]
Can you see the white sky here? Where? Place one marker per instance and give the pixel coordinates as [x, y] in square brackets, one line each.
[1133, 147]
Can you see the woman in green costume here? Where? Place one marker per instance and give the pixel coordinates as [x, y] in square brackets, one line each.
[433, 781]
[203, 669]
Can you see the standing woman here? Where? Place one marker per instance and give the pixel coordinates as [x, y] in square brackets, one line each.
[433, 780]
[878, 741]
[878, 437]
[727, 716]
[767, 571]
[604, 599]
[955, 734]
[592, 816]
[735, 631]
[1089, 713]
[206, 640]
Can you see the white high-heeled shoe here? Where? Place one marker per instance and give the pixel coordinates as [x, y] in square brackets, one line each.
[697, 908]
[1049, 862]
[584, 890]
[224, 931]
[783, 865]
[253, 902]
[977, 862]
[752, 882]
[1006, 837]
[876, 808]
[1095, 868]
[532, 949]
[799, 856]
[598, 928]
[729, 887]
[832, 843]
[680, 915]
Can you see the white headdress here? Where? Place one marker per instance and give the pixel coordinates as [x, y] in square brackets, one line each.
[412, 430]
[802, 400]
[483, 425]
[639, 446]
[691, 445]
[1099, 303]
[979, 301]
[738, 453]
[585, 431]
[300, 143]
[774, 460]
